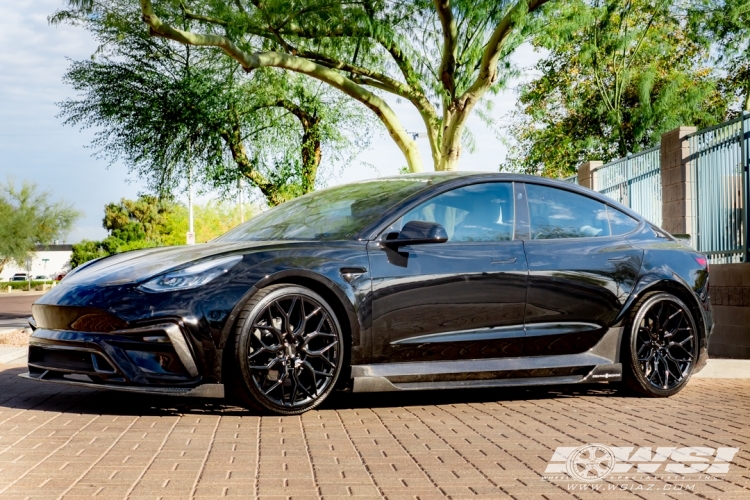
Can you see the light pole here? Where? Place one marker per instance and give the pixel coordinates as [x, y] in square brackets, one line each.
[45, 271]
[28, 271]
[190, 236]
[239, 193]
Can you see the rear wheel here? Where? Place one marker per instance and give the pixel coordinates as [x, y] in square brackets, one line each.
[662, 346]
[288, 351]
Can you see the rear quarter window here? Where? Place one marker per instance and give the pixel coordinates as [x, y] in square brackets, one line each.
[557, 213]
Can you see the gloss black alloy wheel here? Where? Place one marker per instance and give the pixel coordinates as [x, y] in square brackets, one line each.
[288, 350]
[663, 346]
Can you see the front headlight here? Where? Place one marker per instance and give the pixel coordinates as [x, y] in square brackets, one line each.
[191, 277]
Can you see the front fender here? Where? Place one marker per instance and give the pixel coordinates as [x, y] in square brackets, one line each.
[345, 297]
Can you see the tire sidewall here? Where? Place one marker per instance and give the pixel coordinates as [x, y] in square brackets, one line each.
[635, 369]
[244, 331]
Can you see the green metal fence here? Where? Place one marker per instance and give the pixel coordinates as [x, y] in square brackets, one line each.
[634, 181]
[719, 175]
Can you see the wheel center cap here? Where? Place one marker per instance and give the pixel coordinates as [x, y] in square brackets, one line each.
[290, 350]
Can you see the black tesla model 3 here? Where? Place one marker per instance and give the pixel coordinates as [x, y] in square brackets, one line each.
[415, 282]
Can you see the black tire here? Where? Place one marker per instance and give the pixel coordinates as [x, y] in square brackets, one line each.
[286, 352]
[660, 347]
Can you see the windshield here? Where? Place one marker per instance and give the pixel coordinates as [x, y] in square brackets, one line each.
[336, 213]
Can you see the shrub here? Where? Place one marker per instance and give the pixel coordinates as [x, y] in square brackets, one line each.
[22, 285]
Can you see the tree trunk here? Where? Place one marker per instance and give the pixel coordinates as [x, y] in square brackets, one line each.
[310, 147]
[311, 155]
[233, 139]
[454, 122]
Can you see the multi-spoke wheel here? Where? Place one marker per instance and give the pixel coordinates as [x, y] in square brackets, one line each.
[288, 349]
[663, 346]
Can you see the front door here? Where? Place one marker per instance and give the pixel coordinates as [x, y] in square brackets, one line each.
[581, 270]
[462, 299]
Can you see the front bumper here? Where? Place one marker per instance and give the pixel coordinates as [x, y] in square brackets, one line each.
[154, 359]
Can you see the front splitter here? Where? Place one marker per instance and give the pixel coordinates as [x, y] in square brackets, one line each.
[202, 391]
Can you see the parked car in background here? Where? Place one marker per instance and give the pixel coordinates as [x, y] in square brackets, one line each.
[20, 277]
[423, 281]
[41, 277]
[60, 276]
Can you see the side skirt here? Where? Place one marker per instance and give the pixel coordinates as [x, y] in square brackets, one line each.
[598, 364]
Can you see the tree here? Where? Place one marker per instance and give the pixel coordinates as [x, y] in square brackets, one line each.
[724, 26]
[171, 112]
[211, 221]
[28, 218]
[151, 222]
[617, 76]
[442, 56]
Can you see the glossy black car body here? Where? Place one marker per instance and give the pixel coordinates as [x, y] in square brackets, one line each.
[521, 311]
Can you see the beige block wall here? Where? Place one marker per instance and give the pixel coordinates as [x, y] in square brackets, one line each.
[585, 176]
[675, 179]
[730, 299]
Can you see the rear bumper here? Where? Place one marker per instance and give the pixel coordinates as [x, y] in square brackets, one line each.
[152, 359]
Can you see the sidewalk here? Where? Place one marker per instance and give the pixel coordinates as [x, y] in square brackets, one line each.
[11, 325]
[725, 368]
[19, 293]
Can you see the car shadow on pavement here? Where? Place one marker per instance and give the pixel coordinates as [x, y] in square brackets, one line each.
[25, 394]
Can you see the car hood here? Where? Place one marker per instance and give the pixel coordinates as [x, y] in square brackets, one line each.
[138, 265]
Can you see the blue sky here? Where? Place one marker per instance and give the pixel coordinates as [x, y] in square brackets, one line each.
[35, 146]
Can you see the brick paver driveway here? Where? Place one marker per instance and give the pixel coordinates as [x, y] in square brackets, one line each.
[58, 442]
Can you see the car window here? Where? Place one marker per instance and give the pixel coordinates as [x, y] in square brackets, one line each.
[620, 223]
[557, 213]
[336, 213]
[482, 212]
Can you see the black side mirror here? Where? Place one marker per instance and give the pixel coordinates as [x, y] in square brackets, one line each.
[418, 232]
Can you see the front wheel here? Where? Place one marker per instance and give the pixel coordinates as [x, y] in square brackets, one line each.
[288, 351]
[662, 347]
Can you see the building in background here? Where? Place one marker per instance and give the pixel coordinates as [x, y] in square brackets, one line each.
[47, 260]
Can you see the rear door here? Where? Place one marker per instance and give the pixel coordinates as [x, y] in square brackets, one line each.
[581, 270]
[463, 299]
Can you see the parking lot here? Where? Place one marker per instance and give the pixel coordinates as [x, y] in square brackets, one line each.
[61, 442]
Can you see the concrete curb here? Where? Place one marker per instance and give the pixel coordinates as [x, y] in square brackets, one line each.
[13, 354]
[11, 329]
[20, 293]
[725, 368]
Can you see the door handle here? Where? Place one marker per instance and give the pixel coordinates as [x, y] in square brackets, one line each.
[510, 260]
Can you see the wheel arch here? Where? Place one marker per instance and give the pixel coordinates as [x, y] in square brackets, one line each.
[673, 285]
[323, 286]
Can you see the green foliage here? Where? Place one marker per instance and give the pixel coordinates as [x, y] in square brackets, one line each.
[85, 251]
[28, 218]
[166, 109]
[210, 221]
[441, 56]
[724, 27]
[617, 76]
[23, 285]
[151, 222]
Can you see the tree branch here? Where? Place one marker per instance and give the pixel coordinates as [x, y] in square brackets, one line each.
[197, 17]
[251, 61]
[488, 68]
[450, 36]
